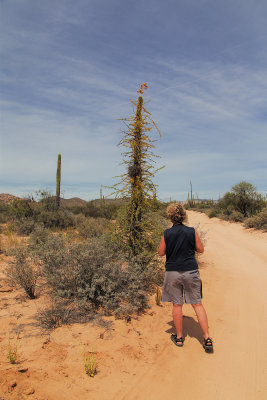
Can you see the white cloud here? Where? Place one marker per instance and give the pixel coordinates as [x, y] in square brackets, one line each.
[62, 99]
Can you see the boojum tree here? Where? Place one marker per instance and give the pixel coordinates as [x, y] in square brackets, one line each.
[136, 184]
[58, 181]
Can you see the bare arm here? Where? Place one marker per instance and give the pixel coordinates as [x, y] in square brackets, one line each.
[199, 245]
[162, 247]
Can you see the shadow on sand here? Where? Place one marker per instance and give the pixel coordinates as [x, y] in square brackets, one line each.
[190, 328]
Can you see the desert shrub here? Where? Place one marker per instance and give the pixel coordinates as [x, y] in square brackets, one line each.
[257, 222]
[186, 206]
[3, 212]
[9, 242]
[60, 219]
[22, 208]
[90, 273]
[205, 204]
[227, 211]
[25, 213]
[21, 272]
[38, 236]
[60, 313]
[153, 224]
[91, 227]
[95, 209]
[213, 213]
[236, 216]
[23, 226]
[243, 198]
[45, 200]
[3, 217]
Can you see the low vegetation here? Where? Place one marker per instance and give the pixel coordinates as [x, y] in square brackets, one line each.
[241, 204]
[21, 271]
[89, 272]
[86, 265]
[83, 262]
[82, 267]
[61, 312]
[12, 353]
[259, 221]
[89, 362]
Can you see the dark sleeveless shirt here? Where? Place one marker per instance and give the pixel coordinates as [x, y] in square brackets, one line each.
[180, 248]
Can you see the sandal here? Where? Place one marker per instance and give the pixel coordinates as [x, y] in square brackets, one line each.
[177, 341]
[208, 344]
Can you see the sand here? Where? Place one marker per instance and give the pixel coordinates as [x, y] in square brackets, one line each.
[136, 359]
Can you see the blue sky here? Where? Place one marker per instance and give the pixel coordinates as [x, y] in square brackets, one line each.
[69, 69]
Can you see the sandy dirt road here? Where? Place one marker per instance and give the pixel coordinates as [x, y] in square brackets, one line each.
[234, 274]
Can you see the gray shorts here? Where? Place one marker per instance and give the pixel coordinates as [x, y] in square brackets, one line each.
[178, 283]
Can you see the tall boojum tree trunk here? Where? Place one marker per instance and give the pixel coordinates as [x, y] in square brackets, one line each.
[135, 173]
[137, 187]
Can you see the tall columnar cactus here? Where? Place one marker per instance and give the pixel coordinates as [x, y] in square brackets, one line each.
[58, 180]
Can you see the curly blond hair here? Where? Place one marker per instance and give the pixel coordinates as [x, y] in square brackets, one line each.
[176, 213]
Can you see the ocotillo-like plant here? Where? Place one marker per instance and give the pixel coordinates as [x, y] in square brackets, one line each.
[137, 186]
[58, 180]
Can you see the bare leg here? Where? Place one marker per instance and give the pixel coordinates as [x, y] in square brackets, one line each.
[202, 319]
[177, 314]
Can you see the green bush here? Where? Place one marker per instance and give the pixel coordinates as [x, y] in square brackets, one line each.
[4, 216]
[257, 222]
[227, 211]
[21, 272]
[38, 237]
[90, 273]
[242, 198]
[212, 213]
[153, 224]
[236, 216]
[60, 219]
[59, 313]
[91, 227]
[26, 213]
[23, 226]
[96, 209]
[19, 209]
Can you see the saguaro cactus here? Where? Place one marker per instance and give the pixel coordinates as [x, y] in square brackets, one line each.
[58, 181]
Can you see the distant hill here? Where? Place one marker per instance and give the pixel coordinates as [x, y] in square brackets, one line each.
[74, 201]
[8, 198]
[66, 203]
